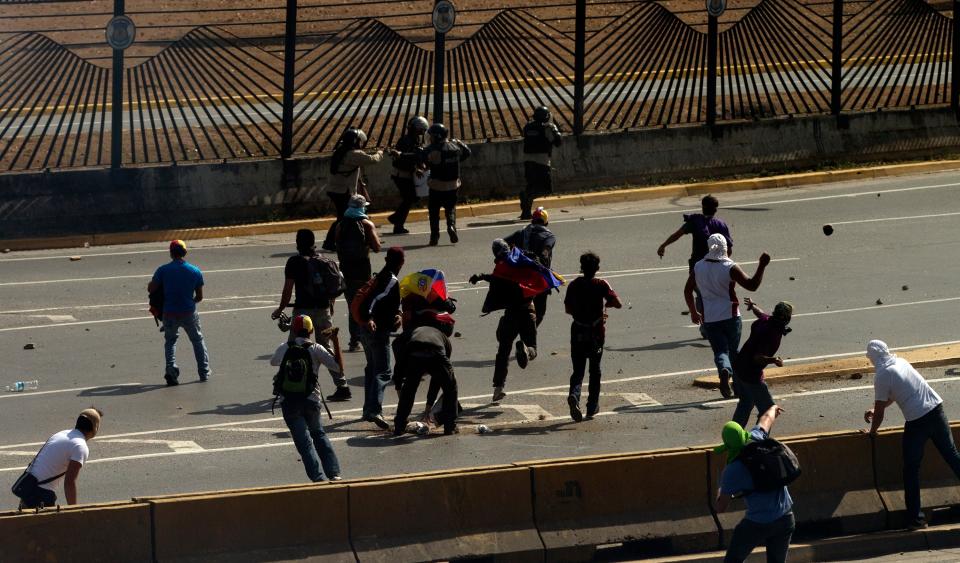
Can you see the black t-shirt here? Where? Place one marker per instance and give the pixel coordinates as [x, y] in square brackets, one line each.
[297, 270]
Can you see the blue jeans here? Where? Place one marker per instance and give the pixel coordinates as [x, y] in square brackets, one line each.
[191, 325]
[378, 372]
[934, 426]
[751, 395]
[303, 419]
[724, 337]
[748, 535]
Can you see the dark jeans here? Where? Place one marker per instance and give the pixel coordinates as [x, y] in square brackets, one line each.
[378, 372]
[748, 535]
[340, 202]
[516, 321]
[933, 426]
[582, 352]
[303, 419]
[539, 182]
[438, 367]
[540, 306]
[724, 337]
[39, 498]
[408, 196]
[751, 394]
[448, 201]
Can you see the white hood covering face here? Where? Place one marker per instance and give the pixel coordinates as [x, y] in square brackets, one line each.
[879, 354]
[717, 245]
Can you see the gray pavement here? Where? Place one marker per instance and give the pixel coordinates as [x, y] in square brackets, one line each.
[95, 343]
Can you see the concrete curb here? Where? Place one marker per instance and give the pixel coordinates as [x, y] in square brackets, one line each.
[933, 356]
[480, 209]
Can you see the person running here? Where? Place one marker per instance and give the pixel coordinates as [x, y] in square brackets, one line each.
[182, 286]
[346, 176]
[307, 276]
[758, 352]
[519, 320]
[540, 137]
[717, 276]
[586, 301]
[896, 381]
[537, 241]
[769, 519]
[406, 169]
[356, 237]
[300, 404]
[60, 459]
[443, 156]
[699, 226]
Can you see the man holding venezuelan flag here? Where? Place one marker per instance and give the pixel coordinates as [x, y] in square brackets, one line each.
[515, 281]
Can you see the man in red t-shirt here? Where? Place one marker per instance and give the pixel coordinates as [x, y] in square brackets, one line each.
[586, 301]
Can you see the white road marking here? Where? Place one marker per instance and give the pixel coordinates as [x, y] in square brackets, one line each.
[120, 305]
[635, 399]
[245, 429]
[26, 394]
[55, 318]
[887, 219]
[826, 391]
[18, 453]
[178, 446]
[133, 276]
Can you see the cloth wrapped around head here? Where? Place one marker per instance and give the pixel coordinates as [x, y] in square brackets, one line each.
[879, 354]
[717, 247]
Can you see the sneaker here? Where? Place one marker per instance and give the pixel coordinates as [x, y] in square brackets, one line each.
[399, 429]
[341, 394]
[353, 346]
[918, 524]
[451, 430]
[525, 216]
[206, 377]
[725, 384]
[522, 358]
[379, 421]
[434, 240]
[336, 478]
[575, 413]
[400, 231]
[454, 238]
[498, 395]
[531, 354]
[171, 380]
[592, 412]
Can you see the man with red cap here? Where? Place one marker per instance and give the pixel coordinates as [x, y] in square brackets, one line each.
[182, 286]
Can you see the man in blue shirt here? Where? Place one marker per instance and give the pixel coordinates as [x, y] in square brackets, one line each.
[769, 520]
[182, 285]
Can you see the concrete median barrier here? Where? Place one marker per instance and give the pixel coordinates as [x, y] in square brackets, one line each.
[111, 533]
[308, 522]
[458, 515]
[659, 497]
[939, 487]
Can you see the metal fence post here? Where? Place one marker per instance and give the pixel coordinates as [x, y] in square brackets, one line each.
[439, 58]
[713, 32]
[289, 85]
[579, 65]
[955, 61]
[836, 79]
[116, 115]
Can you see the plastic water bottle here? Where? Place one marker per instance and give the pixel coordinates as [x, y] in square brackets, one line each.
[23, 386]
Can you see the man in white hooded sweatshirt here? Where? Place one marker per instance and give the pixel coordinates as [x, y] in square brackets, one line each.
[897, 381]
[717, 277]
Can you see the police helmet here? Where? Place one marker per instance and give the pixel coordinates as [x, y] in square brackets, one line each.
[438, 131]
[541, 114]
[354, 137]
[419, 123]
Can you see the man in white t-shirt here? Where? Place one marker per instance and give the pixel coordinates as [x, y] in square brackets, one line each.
[717, 277]
[897, 382]
[60, 459]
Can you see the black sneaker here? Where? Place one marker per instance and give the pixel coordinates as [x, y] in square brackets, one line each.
[447, 431]
[400, 231]
[454, 238]
[592, 412]
[171, 380]
[918, 524]
[725, 384]
[353, 347]
[379, 421]
[522, 355]
[434, 240]
[575, 412]
[341, 394]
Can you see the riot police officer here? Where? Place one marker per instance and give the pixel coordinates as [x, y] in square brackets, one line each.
[443, 156]
[540, 136]
[406, 169]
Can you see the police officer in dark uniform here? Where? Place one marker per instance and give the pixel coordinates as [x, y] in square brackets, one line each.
[540, 136]
[537, 242]
[406, 169]
[443, 156]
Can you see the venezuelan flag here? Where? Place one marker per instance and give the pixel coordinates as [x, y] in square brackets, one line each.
[428, 284]
[532, 277]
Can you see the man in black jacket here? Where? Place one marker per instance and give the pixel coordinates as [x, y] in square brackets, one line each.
[444, 156]
[540, 137]
[536, 241]
[426, 349]
[406, 169]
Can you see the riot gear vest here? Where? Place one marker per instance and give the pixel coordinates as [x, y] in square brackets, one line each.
[535, 139]
[448, 169]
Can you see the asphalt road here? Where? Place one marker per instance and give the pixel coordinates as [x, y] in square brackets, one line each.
[95, 343]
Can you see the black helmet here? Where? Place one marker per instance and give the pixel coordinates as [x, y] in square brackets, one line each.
[438, 131]
[541, 114]
[353, 138]
[419, 123]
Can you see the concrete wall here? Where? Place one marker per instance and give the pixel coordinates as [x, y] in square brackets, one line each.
[94, 201]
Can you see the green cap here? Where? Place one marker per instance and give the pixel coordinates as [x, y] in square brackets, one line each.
[734, 439]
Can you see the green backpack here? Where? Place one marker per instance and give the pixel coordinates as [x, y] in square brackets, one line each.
[296, 379]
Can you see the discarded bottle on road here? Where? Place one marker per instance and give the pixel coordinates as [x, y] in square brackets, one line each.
[23, 386]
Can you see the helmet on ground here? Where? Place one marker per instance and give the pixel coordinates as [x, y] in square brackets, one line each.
[541, 114]
[419, 123]
[354, 137]
[438, 131]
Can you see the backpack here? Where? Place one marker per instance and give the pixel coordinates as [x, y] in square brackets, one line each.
[771, 463]
[360, 305]
[326, 281]
[296, 378]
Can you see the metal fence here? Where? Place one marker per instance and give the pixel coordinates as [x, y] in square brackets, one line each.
[281, 78]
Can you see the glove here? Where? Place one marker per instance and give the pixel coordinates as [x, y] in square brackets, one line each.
[474, 279]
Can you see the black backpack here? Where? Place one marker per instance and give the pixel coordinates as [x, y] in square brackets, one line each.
[296, 379]
[771, 463]
[325, 280]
